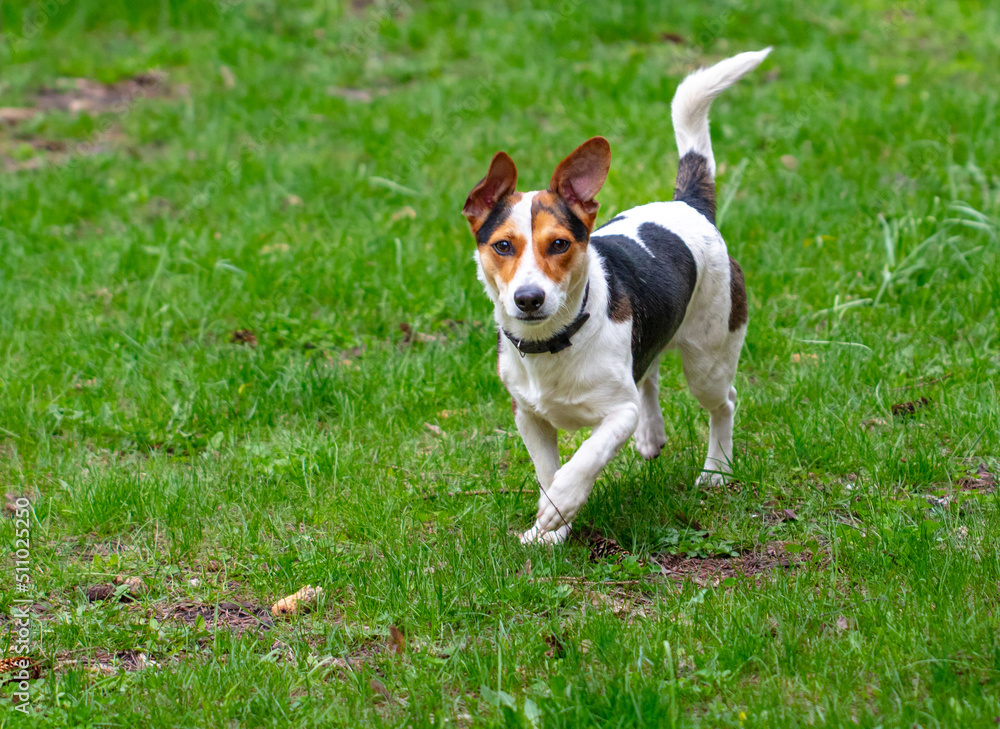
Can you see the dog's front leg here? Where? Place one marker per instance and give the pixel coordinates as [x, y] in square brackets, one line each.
[573, 482]
[541, 440]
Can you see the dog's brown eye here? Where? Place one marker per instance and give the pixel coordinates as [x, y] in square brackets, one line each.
[559, 245]
[503, 248]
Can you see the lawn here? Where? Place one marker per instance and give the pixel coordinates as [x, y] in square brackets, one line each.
[243, 350]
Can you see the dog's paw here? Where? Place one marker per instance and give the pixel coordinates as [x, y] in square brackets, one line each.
[649, 441]
[558, 504]
[710, 478]
[535, 536]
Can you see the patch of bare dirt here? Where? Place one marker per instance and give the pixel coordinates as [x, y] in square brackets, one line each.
[107, 663]
[83, 95]
[982, 480]
[770, 557]
[77, 96]
[712, 570]
[238, 617]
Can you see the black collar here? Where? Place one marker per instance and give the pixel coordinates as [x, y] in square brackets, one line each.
[557, 342]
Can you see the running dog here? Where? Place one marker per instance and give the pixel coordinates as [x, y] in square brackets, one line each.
[584, 315]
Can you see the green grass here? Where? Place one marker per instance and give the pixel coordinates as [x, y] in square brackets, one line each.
[860, 179]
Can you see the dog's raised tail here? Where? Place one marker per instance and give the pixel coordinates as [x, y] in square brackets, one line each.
[689, 111]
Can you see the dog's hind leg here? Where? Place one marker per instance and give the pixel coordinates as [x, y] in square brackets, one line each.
[710, 373]
[710, 377]
[650, 435]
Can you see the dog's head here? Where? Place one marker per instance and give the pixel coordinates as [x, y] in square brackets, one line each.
[532, 246]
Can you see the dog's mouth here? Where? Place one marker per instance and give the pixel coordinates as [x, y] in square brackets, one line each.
[528, 319]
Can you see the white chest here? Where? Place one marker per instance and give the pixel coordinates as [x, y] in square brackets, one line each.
[577, 387]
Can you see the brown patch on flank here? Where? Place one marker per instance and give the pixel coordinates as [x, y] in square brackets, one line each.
[619, 307]
[737, 296]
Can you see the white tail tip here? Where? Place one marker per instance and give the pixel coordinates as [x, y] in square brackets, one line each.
[694, 98]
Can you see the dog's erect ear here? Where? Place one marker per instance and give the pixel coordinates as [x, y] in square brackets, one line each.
[580, 176]
[499, 181]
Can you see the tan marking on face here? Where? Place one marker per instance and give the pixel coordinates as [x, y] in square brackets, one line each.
[503, 267]
[549, 224]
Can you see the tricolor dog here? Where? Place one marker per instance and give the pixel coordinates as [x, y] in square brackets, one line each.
[584, 315]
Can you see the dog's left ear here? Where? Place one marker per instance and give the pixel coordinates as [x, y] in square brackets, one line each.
[580, 176]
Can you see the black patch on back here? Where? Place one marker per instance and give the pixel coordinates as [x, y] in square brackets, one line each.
[695, 185]
[657, 289]
[497, 215]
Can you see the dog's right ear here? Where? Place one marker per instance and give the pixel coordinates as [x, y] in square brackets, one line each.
[499, 181]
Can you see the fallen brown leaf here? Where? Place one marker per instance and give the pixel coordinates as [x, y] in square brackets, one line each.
[907, 408]
[244, 336]
[379, 688]
[790, 162]
[16, 664]
[96, 593]
[398, 644]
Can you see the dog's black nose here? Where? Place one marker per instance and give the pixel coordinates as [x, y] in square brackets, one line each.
[529, 299]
